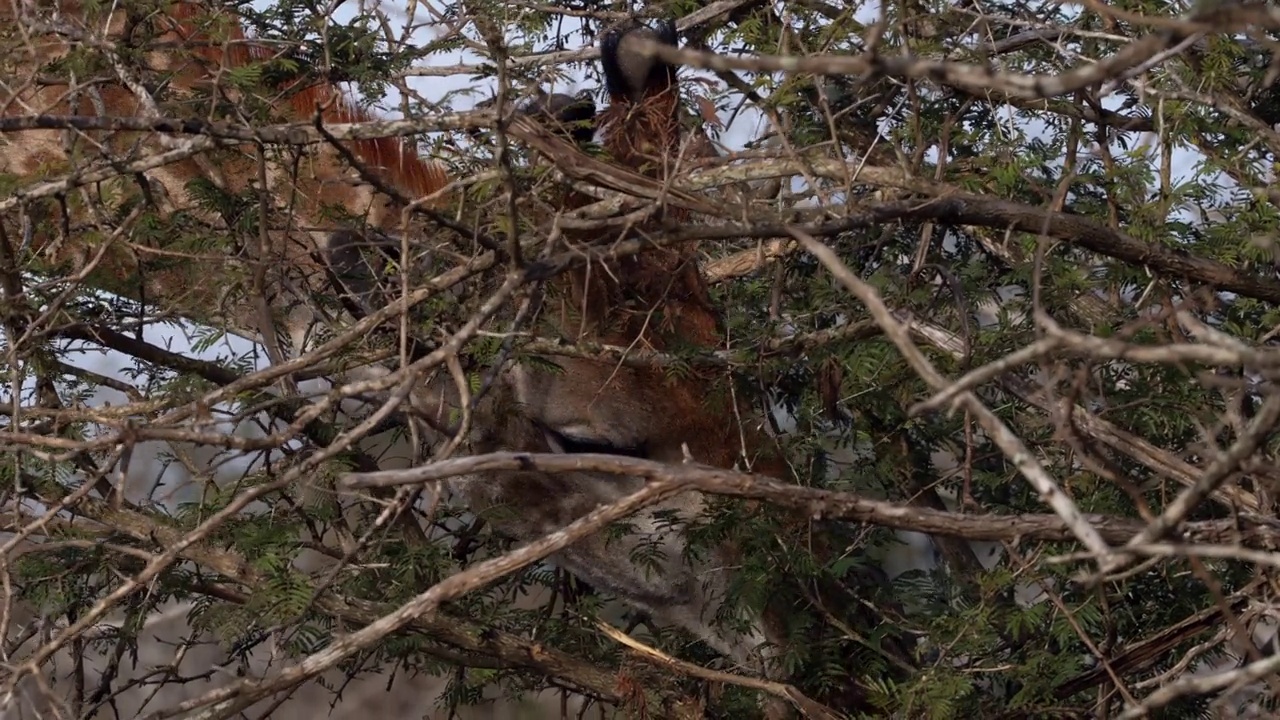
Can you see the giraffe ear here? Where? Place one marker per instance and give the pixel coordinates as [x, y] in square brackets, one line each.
[630, 74]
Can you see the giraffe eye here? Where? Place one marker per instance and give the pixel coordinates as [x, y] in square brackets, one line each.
[575, 443]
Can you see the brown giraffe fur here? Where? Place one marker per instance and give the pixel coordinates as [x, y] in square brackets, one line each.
[651, 301]
[648, 301]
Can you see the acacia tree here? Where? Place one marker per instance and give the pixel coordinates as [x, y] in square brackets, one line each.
[1002, 273]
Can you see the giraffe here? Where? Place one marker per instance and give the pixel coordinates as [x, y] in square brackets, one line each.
[657, 300]
[654, 301]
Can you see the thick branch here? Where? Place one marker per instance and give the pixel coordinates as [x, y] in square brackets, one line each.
[818, 504]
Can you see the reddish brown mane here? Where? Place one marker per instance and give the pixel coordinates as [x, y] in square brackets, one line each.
[394, 158]
[197, 45]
